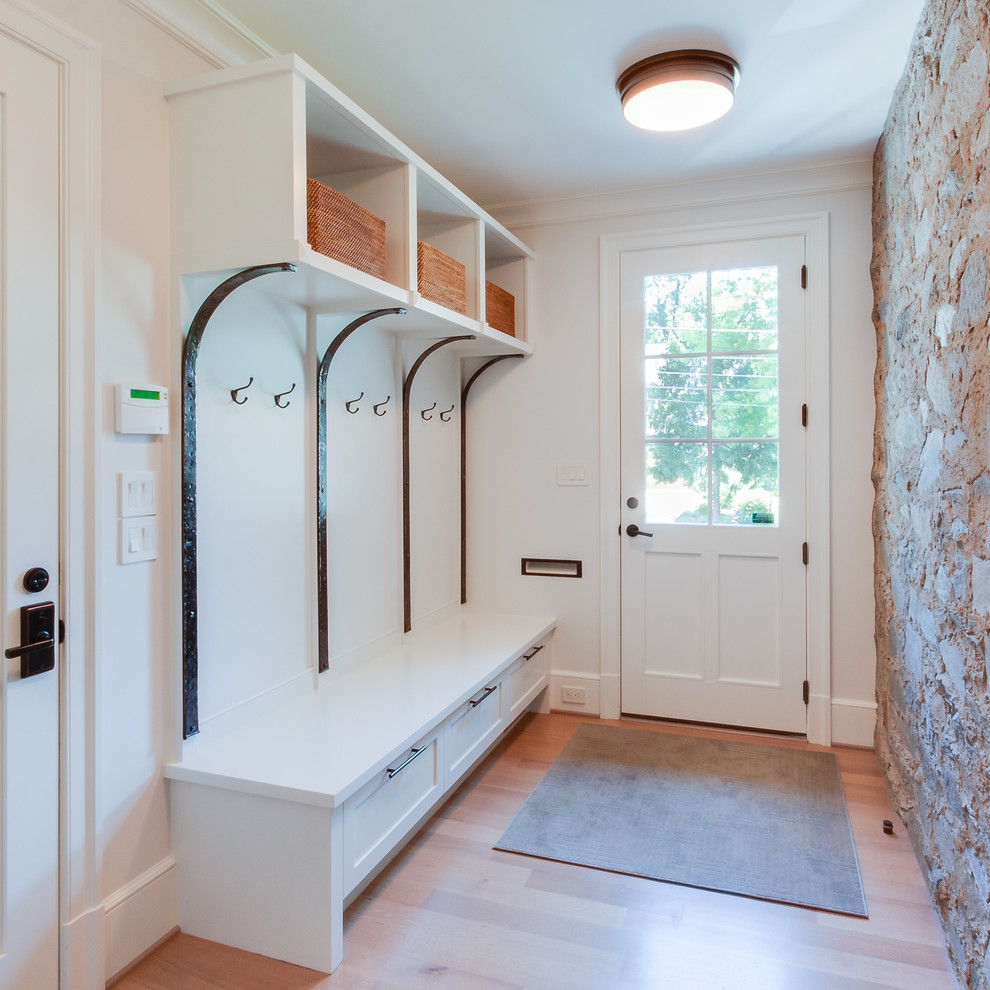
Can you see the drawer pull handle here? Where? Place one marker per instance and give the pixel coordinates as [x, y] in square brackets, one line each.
[488, 690]
[532, 653]
[392, 771]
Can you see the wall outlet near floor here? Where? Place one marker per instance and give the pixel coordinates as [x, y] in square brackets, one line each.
[572, 695]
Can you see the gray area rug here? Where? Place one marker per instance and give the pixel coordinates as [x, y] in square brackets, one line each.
[745, 818]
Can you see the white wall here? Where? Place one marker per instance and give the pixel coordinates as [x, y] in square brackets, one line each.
[523, 423]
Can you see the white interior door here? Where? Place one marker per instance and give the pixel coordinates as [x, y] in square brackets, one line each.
[713, 469]
[29, 430]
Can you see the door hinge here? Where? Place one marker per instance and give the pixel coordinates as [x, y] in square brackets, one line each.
[804, 276]
[804, 414]
[806, 692]
[804, 554]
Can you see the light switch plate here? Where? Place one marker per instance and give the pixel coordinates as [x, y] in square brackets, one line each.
[138, 539]
[137, 494]
[572, 474]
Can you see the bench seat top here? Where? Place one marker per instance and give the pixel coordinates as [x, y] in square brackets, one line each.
[322, 746]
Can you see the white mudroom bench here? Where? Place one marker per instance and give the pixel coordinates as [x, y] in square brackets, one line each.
[278, 823]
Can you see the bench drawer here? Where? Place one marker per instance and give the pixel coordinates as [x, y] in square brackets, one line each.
[525, 678]
[380, 815]
[470, 731]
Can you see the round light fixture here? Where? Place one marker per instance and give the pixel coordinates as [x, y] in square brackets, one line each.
[675, 91]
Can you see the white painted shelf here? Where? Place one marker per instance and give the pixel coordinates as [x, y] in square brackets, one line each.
[244, 142]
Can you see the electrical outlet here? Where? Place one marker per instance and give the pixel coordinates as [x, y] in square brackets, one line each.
[572, 695]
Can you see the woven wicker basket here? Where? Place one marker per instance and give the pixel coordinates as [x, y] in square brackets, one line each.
[441, 278]
[339, 228]
[500, 308]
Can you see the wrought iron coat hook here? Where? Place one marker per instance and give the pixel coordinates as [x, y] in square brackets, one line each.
[234, 391]
[378, 406]
[351, 403]
[423, 412]
[278, 398]
[445, 415]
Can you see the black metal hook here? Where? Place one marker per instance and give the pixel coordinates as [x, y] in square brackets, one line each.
[234, 391]
[378, 404]
[282, 405]
[445, 415]
[351, 403]
[423, 412]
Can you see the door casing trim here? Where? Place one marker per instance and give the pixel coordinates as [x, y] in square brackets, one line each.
[814, 227]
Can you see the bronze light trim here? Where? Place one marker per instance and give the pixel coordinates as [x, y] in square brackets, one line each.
[684, 65]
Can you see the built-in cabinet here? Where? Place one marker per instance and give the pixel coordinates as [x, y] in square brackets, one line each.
[303, 785]
[243, 143]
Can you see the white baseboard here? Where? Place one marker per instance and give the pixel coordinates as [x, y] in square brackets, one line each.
[82, 961]
[853, 722]
[139, 914]
[589, 683]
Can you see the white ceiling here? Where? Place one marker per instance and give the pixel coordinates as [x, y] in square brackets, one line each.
[514, 100]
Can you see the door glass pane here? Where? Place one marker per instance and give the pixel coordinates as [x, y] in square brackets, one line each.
[712, 377]
[676, 398]
[744, 484]
[744, 310]
[677, 483]
[676, 309]
[744, 397]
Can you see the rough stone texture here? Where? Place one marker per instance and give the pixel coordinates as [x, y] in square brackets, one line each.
[932, 464]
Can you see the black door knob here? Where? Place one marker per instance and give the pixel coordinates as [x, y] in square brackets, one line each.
[35, 580]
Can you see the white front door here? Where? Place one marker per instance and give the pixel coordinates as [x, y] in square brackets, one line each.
[29, 521]
[713, 469]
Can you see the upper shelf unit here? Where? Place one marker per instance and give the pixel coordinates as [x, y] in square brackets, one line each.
[245, 140]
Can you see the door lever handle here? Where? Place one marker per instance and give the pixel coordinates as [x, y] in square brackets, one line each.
[20, 651]
[633, 530]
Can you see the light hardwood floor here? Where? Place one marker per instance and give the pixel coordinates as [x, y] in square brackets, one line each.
[451, 912]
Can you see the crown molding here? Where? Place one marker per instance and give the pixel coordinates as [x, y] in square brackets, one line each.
[727, 190]
[206, 29]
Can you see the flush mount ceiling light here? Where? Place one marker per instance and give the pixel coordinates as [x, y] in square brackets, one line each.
[675, 91]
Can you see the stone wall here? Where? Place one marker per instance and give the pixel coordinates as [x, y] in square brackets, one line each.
[932, 451]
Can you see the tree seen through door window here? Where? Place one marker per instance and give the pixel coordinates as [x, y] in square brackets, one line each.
[711, 397]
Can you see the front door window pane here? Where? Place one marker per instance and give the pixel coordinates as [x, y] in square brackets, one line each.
[744, 310]
[744, 397]
[676, 398]
[677, 483]
[676, 308]
[744, 484]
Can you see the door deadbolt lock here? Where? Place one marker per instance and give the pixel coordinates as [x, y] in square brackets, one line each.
[37, 649]
[35, 580]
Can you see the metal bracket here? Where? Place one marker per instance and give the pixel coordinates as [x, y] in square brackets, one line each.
[190, 606]
[464, 395]
[406, 522]
[323, 606]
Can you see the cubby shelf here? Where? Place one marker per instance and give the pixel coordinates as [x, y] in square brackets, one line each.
[244, 142]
